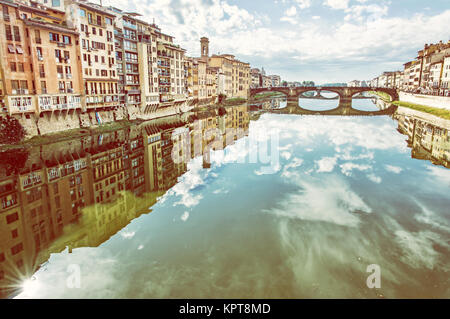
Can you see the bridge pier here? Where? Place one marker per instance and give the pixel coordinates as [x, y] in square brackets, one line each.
[292, 100]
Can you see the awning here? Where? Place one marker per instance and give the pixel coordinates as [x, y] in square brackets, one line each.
[19, 49]
[11, 48]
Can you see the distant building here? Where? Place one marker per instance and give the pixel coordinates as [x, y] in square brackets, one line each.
[425, 74]
[256, 79]
[276, 80]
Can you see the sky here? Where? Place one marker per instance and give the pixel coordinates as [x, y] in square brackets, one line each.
[319, 40]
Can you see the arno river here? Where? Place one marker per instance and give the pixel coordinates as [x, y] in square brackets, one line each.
[293, 207]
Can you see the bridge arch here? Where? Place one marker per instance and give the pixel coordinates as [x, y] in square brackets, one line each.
[391, 92]
[282, 90]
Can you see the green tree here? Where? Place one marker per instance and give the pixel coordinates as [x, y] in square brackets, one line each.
[13, 160]
[11, 131]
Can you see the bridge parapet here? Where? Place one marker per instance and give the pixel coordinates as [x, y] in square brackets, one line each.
[343, 92]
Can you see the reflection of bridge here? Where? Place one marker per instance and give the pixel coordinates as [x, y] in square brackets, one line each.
[345, 95]
[340, 110]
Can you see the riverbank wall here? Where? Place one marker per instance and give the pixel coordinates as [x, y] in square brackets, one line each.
[59, 121]
[440, 102]
[429, 118]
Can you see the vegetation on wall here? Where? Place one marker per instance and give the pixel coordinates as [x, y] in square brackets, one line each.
[11, 131]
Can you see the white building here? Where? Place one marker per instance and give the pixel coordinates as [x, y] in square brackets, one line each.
[445, 80]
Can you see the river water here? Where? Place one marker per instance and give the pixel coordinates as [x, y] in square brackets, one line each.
[293, 207]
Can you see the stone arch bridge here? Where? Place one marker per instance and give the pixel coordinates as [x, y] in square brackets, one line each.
[345, 95]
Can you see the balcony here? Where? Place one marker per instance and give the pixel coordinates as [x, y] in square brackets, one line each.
[130, 92]
[20, 104]
[129, 25]
[20, 91]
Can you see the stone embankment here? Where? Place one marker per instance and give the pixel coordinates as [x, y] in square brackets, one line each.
[440, 102]
[55, 122]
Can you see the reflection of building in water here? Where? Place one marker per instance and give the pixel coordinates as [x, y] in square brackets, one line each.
[428, 140]
[81, 192]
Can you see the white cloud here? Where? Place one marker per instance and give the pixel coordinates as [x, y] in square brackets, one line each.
[337, 4]
[368, 35]
[326, 164]
[303, 4]
[431, 218]
[296, 162]
[374, 178]
[439, 173]
[359, 12]
[185, 216]
[292, 11]
[221, 191]
[393, 169]
[308, 203]
[347, 168]
[194, 177]
[127, 235]
[286, 155]
[418, 250]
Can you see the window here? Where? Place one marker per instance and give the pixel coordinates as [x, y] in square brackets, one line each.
[5, 13]
[13, 66]
[56, 3]
[53, 37]
[16, 34]
[66, 39]
[14, 233]
[14, 84]
[82, 13]
[39, 53]
[44, 87]
[37, 36]
[8, 32]
[2, 257]
[41, 71]
[24, 85]
[12, 218]
[57, 55]
[108, 20]
[21, 67]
